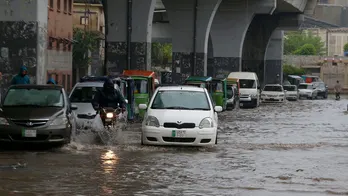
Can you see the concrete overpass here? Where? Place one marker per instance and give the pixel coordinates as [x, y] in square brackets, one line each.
[231, 35]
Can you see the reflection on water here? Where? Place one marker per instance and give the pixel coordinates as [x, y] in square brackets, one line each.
[109, 160]
[296, 149]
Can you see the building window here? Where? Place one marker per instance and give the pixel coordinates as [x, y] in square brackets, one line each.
[58, 5]
[65, 47]
[51, 4]
[50, 43]
[84, 20]
[69, 47]
[65, 6]
[70, 6]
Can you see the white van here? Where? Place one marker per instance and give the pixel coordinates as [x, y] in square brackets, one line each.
[249, 88]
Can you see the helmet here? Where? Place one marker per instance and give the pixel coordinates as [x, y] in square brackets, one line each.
[108, 84]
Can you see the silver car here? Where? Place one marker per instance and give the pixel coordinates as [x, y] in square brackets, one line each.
[307, 90]
[292, 93]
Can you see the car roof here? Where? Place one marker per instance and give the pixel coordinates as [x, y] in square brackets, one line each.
[35, 86]
[184, 88]
[90, 84]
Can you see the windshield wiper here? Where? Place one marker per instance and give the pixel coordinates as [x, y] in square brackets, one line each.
[199, 108]
[177, 108]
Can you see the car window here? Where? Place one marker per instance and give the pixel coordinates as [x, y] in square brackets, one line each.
[37, 97]
[244, 83]
[175, 99]
[273, 88]
[140, 86]
[289, 88]
[304, 86]
[230, 92]
[84, 94]
[217, 87]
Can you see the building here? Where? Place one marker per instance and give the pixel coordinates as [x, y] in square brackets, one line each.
[23, 30]
[90, 17]
[60, 33]
[334, 2]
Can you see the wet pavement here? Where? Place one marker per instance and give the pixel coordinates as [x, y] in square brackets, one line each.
[300, 148]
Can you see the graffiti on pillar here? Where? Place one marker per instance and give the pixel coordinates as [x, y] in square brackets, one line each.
[18, 45]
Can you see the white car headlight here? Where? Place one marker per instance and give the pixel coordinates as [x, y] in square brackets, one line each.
[60, 120]
[3, 121]
[109, 115]
[206, 123]
[151, 121]
[253, 96]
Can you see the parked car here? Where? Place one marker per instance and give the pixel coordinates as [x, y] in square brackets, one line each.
[273, 93]
[307, 90]
[232, 97]
[291, 92]
[323, 89]
[180, 115]
[36, 113]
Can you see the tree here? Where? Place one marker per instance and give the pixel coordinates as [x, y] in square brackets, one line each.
[84, 42]
[292, 70]
[161, 53]
[307, 49]
[294, 41]
[345, 48]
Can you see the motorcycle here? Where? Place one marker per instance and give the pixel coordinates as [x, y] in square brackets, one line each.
[109, 116]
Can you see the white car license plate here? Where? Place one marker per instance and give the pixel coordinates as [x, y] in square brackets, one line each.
[178, 133]
[108, 120]
[29, 133]
[241, 104]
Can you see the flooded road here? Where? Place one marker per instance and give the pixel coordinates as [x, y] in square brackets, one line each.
[300, 148]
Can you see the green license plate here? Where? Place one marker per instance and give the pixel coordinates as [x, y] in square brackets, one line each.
[178, 133]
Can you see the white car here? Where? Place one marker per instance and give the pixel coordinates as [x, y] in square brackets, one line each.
[180, 115]
[291, 92]
[82, 95]
[273, 93]
[307, 90]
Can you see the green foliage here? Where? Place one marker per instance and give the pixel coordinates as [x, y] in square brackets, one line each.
[84, 41]
[294, 43]
[307, 49]
[292, 70]
[161, 53]
[345, 48]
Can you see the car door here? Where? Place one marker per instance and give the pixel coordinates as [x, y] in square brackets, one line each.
[69, 113]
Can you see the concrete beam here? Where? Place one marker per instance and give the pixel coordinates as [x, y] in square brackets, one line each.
[116, 34]
[299, 5]
[181, 17]
[310, 7]
[228, 32]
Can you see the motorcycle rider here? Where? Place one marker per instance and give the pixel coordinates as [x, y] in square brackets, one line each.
[109, 97]
[338, 89]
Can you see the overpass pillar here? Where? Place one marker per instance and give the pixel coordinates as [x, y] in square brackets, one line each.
[273, 72]
[181, 18]
[228, 32]
[116, 17]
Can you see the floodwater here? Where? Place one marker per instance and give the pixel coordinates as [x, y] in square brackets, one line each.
[300, 148]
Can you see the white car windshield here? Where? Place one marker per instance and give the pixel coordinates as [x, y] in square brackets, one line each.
[290, 88]
[244, 83]
[273, 88]
[34, 97]
[304, 86]
[178, 99]
[84, 94]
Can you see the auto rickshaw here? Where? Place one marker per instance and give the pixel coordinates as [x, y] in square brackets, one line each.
[219, 92]
[200, 81]
[144, 87]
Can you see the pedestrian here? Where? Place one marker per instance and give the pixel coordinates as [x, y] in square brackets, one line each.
[51, 81]
[22, 77]
[338, 89]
